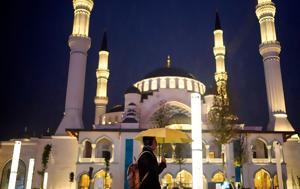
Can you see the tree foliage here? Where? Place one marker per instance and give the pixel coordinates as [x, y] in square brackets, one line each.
[162, 116]
[45, 160]
[222, 119]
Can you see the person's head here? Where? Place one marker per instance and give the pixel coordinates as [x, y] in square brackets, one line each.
[150, 141]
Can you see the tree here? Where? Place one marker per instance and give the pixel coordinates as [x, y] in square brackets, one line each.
[45, 160]
[180, 157]
[222, 121]
[162, 116]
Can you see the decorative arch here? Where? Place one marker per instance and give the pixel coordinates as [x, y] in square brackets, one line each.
[274, 142]
[259, 149]
[84, 140]
[103, 137]
[103, 178]
[179, 104]
[184, 179]
[84, 181]
[103, 144]
[262, 179]
[87, 149]
[21, 176]
[167, 181]
[218, 176]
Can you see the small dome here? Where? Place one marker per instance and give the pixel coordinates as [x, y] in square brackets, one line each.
[116, 108]
[169, 71]
[132, 89]
[179, 118]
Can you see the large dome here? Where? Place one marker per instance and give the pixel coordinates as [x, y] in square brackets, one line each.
[169, 71]
[169, 78]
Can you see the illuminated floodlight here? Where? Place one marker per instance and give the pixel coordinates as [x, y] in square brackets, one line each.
[30, 173]
[14, 165]
[197, 161]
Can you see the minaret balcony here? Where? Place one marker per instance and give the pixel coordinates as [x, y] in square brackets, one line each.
[102, 73]
[101, 100]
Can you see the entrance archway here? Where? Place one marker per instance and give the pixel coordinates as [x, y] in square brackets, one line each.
[102, 179]
[167, 181]
[20, 181]
[218, 177]
[84, 181]
[184, 179]
[262, 180]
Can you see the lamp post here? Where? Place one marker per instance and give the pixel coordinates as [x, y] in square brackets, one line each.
[30, 173]
[14, 165]
[197, 161]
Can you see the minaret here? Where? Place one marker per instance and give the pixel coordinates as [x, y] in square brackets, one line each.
[79, 43]
[270, 49]
[102, 75]
[219, 52]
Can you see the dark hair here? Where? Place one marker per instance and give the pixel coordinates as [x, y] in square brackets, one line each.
[148, 141]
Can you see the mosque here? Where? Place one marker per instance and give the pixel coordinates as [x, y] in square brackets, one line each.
[79, 156]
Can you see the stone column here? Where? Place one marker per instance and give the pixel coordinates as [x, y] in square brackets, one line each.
[93, 152]
[278, 157]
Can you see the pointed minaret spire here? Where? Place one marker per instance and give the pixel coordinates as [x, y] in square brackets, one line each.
[102, 74]
[104, 42]
[218, 22]
[219, 52]
[169, 61]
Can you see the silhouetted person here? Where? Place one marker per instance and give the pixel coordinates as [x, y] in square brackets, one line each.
[148, 164]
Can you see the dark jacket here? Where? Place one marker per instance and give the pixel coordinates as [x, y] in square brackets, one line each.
[148, 163]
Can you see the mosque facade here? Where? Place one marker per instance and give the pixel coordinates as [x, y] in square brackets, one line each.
[98, 158]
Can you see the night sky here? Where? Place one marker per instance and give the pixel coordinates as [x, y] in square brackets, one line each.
[141, 33]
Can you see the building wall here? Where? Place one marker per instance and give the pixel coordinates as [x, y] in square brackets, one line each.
[291, 150]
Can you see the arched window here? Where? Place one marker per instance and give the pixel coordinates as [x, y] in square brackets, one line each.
[87, 152]
[183, 151]
[172, 83]
[218, 177]
[103, 145]
[146, 85]
[196, 87]
[189, 85]
[84, 181]
[154, 84]
[167, 181]
[163, 83]
[215, 150]
[20, 182]
[181, 84]
[102, 179]
[262, 180]
[184, 179]
[260, 149]
[167, 150]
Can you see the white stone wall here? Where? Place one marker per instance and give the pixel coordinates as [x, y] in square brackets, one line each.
[291, 150]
